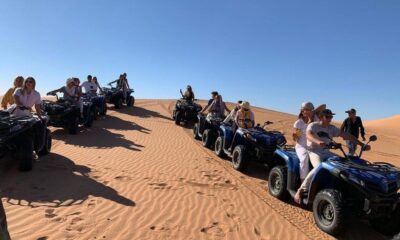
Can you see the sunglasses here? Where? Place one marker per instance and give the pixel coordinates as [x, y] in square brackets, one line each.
[29, 81]
[328, 117]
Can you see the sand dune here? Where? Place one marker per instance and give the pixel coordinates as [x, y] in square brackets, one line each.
[390, 126]
[135, 175]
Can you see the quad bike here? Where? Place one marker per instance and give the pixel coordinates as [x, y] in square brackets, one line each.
[342, 186]
[185, 111]
[207, 129]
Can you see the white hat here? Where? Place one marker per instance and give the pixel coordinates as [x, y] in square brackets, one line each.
[307, 106]
[245, 105]
[69, 80]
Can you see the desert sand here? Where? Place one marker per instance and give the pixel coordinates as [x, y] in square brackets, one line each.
[136, 175]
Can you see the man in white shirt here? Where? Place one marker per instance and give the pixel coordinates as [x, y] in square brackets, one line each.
[89, 86]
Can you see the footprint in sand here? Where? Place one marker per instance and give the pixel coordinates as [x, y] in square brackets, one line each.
[213, 229]
[49, 213]
[160, 185]
[123, 178]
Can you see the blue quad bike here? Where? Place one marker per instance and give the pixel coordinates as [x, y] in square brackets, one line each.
[21, 136]
[255, 144]
[340, 187]
[185, 111]
[207, 129]
[115, 95]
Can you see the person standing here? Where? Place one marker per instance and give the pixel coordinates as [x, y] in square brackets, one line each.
[8, 98]
[354, 126]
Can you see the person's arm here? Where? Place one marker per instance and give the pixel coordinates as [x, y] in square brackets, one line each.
[6, 98]
[204, 109]
[17, 99]
[312, 138]
[362, 129]
[38, 110]
[343, 127]
[348, 136]
[253, 122]
[226, 108]
[56, 91]
[319, 109]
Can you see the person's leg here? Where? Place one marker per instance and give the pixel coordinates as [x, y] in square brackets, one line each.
[302, 154]
[351, 147]
[315, 160]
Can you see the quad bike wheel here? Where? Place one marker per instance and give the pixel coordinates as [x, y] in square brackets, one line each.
[329, 212]
[219, 147]
[207, 138]
[118, 103]
[91, 117]
[178, 117]
[24, 153]
[196, 131]
[130, 102]
[389, 225]
[73, 125]
[47, 146]
[277, 182]
[239, 158]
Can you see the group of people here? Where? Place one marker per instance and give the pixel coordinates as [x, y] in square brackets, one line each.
[22, 98]
[311, 148]
[241, 116]
[73, 90]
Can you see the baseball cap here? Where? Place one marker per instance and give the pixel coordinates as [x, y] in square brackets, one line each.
[245, 105]
[351, 111]
[326, 112]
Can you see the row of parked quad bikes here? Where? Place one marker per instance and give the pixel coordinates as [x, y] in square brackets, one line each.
[21, 136]
[340, 187]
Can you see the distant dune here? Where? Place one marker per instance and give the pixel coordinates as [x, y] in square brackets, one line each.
[390, 125]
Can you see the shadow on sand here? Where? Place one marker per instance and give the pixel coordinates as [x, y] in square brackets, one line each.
[55, 181]
[96, 137]
[143, 113]
[112, 122]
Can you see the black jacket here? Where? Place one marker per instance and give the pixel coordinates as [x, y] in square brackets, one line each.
[353, 128]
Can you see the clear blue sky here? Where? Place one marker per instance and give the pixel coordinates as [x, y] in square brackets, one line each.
[275, 54]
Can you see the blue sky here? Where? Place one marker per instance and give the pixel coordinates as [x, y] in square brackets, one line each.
[275, 54]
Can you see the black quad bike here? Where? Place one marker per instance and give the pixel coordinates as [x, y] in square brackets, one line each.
[185, 111]
[115, 95]
[62, 113]
[207, 129]
[21, 136]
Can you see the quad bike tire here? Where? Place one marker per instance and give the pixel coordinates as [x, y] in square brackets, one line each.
[329, 211]
[178, 117]
[240, 160]
[91, 117]
[219, 147]
[196, 131]
[47, 145]
[130, 102]
[73, 125]
[24, 154]
[118, 103]
[103, 111]
[207, 138]
[277, 182]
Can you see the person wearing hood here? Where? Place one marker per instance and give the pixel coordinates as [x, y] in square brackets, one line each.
[189, 94]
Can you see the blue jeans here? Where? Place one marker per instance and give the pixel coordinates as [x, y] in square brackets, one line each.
[352, 148]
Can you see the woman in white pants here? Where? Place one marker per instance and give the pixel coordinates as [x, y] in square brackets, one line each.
[307, 115]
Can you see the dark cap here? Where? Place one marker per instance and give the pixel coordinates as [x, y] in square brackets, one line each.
[351, 111]
[326, 112]
[214, 93]
[89, 76]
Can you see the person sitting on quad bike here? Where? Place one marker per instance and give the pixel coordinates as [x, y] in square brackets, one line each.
[89, 86]
[231, 117]
[216, 109]
[317, 146]
[25, 99]
[188, 95]
[307, 115]
[8, 98]
[244, 117]
[70, 93]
